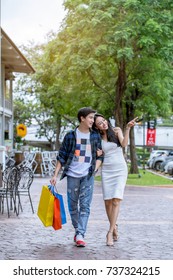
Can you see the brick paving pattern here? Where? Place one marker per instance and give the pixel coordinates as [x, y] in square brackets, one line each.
[145, 228]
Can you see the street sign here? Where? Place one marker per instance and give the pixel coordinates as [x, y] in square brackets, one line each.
[151, 133]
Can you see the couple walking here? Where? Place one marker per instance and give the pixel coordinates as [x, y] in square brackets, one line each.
[92, 144]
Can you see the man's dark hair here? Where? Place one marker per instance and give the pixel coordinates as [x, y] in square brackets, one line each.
[84, 112]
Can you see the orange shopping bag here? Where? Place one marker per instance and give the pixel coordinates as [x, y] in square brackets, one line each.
[57, 224]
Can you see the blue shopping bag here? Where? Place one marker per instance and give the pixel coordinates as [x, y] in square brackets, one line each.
[62, 208]
[61, 200]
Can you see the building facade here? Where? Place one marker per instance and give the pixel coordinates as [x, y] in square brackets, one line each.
[12, 61]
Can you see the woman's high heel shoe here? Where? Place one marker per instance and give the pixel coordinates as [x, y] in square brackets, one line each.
[109, 238]
[115, 233]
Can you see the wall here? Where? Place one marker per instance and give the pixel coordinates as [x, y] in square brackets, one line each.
[164, 136]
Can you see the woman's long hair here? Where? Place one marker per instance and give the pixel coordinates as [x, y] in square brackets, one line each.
[109, 132]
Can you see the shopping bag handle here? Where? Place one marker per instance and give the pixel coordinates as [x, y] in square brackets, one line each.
[52, 189]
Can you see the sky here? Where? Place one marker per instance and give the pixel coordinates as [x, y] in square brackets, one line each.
[30, 20]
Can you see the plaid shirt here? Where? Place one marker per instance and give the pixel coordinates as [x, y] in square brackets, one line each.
[68, 147]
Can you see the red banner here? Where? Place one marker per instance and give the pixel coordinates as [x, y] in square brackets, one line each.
[151, 137]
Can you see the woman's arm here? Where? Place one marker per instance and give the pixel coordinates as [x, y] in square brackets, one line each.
[98, 164]
[124, 139]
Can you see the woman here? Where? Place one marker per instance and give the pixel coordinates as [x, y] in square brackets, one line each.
[114, 170]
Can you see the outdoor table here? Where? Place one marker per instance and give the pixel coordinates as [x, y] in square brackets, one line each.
[38, 159]
[18, 157]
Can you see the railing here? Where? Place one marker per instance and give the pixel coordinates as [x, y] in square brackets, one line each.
[8, 104]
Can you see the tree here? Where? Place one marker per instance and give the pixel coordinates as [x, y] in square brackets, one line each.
[32, 93]
[113, 55]
[113, 42]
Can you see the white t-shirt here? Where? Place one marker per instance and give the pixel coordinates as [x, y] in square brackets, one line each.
[81, 161]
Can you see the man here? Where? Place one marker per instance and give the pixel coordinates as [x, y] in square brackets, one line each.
[78, 156]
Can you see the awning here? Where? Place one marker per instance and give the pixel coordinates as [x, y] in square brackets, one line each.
[12, 58]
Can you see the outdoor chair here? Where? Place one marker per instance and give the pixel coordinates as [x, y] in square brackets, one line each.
[9, 161]
[47, 168]
[10, 179]
[24, 184]
[29, 161]
[53, 158]
[6, 173]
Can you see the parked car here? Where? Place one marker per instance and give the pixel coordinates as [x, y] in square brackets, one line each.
[154, 154]
[164, 165]
[168, 165]
[170, 170]
[157, 161]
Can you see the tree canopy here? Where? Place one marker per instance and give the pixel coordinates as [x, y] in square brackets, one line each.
[113, 55]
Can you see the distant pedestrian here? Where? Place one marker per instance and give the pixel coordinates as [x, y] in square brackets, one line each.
[78, 156]
[114, 170]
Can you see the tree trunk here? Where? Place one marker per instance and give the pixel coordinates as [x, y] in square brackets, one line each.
[130, 114]
[58, 131]
[51, 145]
[133, 156]
[120, 90]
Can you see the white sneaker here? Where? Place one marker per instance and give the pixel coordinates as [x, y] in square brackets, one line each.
[80, 241]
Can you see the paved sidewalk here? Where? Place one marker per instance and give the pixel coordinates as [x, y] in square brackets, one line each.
[145, 229]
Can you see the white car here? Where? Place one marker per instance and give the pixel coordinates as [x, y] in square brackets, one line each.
[156, 153]
[168, 165]
[153, 154]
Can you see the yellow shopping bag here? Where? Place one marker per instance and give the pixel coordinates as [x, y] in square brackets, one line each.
[46, 207]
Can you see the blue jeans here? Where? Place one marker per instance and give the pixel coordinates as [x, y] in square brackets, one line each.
[79, 196]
